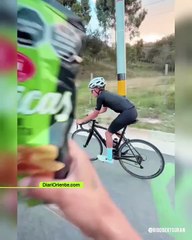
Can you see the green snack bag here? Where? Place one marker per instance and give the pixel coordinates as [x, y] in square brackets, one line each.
[50, 44]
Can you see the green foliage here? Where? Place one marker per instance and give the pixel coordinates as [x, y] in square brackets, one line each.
[97, 50]
[170, 101]
[68, 3]
[134, 53]
[94, 46]
[153, 52]
[139, 49]
[156, 98]
[131, 55]
[81, 8]
[161, 52]
[134, 15]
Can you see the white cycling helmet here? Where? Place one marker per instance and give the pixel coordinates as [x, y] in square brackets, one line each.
[98, 82]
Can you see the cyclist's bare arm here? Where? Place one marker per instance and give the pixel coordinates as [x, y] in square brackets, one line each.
[103, 109]
[91, 116]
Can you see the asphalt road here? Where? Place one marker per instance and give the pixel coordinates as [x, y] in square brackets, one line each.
[133, 196]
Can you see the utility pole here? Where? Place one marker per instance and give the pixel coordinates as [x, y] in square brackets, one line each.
[120, 46]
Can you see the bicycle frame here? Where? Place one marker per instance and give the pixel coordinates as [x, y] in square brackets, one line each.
[124, 150]
[94, 130]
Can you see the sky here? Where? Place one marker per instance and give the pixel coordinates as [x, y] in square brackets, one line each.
[183, 9]
[159, 21]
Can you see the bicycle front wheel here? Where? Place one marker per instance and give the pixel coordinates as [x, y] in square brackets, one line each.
[93, 147]
[141, 159]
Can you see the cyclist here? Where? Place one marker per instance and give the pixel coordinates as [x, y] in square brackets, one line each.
[105, 99]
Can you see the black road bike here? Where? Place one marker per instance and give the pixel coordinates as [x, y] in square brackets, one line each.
[138, 157]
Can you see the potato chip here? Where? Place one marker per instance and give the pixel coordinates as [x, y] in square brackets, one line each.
[36, 160]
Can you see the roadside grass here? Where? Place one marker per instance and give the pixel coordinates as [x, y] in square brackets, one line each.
[142, 70]
[154, 98]
[108, 70]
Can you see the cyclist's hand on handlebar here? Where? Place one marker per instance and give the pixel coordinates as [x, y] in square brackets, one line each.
[80, 121]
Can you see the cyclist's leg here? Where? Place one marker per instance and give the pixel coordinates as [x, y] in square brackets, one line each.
[109, 144]
[126, 118]
[122, 120]
[109, 140]
[118, 123]
[113, 128]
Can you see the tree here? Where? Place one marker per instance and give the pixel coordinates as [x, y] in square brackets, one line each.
[161, 52]
[112, 54]
[139, 49]
[130, 53]
[153, 52]
[171, 61]
[97, 50]
[68, 3]
[160, 59]
[134, 15]
[81, 8]
[93, 45]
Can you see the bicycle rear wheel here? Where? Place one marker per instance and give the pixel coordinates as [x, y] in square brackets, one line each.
[94, 146]
[141, 159]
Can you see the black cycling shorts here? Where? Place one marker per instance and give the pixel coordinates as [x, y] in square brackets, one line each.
[123, 119]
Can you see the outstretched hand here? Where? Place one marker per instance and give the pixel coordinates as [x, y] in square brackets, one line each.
[89, 208]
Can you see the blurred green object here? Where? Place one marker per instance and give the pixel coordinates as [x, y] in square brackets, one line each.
[50, 46]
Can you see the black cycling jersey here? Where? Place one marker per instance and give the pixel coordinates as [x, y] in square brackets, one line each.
[113, 101]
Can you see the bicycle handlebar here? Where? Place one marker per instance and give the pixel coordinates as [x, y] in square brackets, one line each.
[89, 121]
[81, 125]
